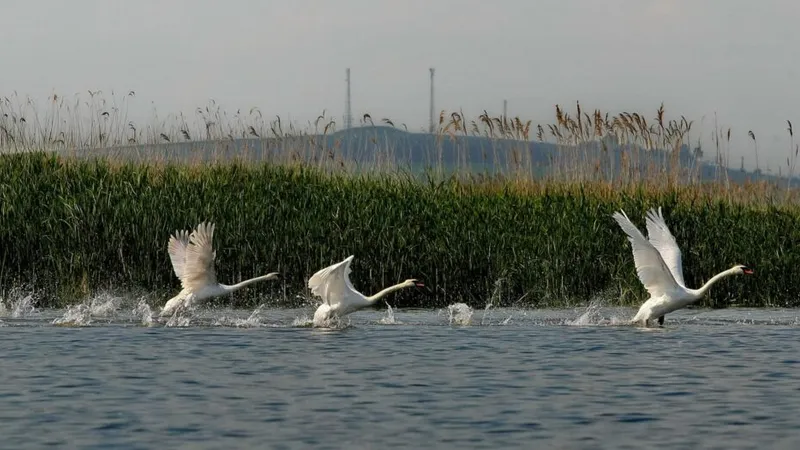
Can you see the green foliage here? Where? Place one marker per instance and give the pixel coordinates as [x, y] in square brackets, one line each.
[72, 226]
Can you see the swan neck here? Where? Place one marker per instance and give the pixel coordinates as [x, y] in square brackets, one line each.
[237, 286]
[703, 289]
[374, 298]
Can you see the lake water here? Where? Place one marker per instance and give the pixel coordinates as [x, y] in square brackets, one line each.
[101, 376]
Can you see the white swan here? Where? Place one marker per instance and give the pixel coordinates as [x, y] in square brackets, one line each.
[339, 297]
[659, 267]
[192, 259]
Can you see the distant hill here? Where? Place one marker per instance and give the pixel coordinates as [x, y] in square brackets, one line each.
[368, 146]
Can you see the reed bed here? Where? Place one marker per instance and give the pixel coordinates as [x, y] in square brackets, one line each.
[492, 209]
[72, 226]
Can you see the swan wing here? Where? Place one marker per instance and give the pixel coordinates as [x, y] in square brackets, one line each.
[177, 251]
[650, 266]
[665, 243]
[332, 283]
[198, 270]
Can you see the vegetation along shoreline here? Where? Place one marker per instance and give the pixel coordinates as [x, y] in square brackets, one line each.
[72, 226]
[483, 216]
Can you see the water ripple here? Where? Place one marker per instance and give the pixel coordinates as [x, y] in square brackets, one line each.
[423, 379]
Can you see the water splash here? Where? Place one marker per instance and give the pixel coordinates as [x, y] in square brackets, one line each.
[485, 311]
[135, 311]
[459, 313]
[104, 305]
[23, 307]
[18, 304]
[592, 316]
[254, 320]
[144, 313]
[496, 297]
[616, 321]
[336, 323]
[181, 318]
[389, 318]
[303, 321]
[79, 315]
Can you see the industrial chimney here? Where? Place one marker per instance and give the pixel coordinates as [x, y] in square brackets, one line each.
[348, 113]
[432, 112]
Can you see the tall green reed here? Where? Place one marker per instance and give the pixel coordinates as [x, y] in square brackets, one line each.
[70, 226]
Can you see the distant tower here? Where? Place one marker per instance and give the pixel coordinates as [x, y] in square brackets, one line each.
[432, 113]
[505, 109]
[348, 113]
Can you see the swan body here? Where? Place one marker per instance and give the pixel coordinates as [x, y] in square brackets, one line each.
[192, 257]
[339, 297]
[659, 267]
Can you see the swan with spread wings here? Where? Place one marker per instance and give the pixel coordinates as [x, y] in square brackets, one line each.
[192, 257]
[339, 297]
[659, 267]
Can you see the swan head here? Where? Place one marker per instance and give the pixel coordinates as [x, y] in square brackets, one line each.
[272, 276]
[743, 270]
[412, 282]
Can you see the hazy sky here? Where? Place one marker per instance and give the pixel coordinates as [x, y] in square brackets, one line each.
[737, 58]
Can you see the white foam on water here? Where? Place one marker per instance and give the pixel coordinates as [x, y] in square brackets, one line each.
[303, 321]
[19, 307]
[593, 314]
[389, 318]
[255, 319]
[102, 305]
[144, 313]
[79, 315]
[337, 323]
[459, 314]
[181, 318]
[18, 303]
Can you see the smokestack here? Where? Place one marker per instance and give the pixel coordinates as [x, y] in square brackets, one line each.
[505, 109]
[348, 113]
[432, 112]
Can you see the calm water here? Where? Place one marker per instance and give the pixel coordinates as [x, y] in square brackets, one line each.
[507, 379]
